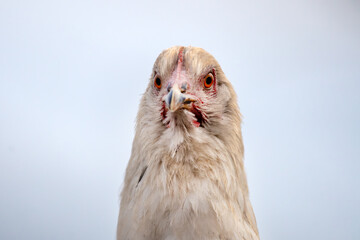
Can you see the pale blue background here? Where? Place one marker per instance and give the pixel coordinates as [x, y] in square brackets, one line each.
[72, 74]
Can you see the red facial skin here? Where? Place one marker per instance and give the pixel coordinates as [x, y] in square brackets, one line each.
[163, 111]
[194, 107]
[200, 117]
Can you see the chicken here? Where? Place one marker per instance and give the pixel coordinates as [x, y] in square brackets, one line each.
[185, 178]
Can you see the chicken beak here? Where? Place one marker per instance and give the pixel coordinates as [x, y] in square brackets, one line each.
[174, 99]
[177, 99]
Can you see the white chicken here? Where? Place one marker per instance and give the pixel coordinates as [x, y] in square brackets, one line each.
[185, 178]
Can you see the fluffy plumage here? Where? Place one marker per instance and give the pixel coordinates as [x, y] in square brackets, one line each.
[185, 178]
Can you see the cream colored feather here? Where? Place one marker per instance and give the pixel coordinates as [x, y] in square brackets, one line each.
[186, 181]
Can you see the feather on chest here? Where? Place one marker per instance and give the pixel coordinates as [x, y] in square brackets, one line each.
[191, 188]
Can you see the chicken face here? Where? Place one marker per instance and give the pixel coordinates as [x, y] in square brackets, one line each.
[187, 88]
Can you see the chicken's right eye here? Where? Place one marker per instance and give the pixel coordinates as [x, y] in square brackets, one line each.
[157, 82]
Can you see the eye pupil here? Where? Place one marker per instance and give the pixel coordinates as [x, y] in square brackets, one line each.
[208, 80]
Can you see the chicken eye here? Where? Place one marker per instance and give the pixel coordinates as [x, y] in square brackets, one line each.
[209, 80]
[157, 82]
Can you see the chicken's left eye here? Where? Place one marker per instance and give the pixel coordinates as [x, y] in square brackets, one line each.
[208, 80]
[157, 82]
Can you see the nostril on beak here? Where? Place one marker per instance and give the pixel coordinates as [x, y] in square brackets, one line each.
[168, 88]
[183, 87]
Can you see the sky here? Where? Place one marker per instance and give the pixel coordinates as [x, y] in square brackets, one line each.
[72, 74]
